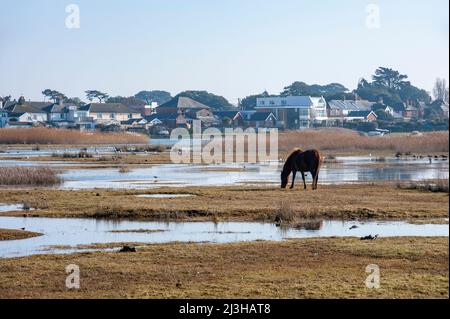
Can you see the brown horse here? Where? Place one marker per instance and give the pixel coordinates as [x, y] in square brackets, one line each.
[299, 161]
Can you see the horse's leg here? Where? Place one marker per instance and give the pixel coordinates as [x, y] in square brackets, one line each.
[304, 180]
[294, 173]
[316, 179]
[313, 175]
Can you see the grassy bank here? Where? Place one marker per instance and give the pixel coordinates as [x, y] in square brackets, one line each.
[348, 141]
[311, 268]
[14, 234]
[28, 176]
[381, 201]
[64, 136]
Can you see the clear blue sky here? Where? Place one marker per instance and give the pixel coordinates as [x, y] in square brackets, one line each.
[232, 48]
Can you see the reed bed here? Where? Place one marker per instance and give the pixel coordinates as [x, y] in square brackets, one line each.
[343, 140]
[29, 176]
[41, 135]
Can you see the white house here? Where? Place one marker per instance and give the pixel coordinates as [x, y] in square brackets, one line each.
[295, 112]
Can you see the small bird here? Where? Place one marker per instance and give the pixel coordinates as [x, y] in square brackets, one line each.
[23, 228]
[353, 227]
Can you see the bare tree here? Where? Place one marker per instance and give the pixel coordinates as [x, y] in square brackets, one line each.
[440, 90]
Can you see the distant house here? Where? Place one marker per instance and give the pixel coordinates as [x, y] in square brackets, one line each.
[262, 120]
[233, 117]
[59, 112]
[181, 105]
[169, 120]
[338, 109]
[295, 112]
[410, 112]
[442, 107]
[25, 111]
[366, 116]
[104, 113]
[204, 115]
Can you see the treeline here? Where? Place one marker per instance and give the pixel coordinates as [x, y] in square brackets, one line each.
[387, 85]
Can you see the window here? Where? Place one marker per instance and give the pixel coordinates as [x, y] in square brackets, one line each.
[303, 112]
[263, 103]
[112, 116]
[272, 102]
[283, 102]
[99, 115]
[130, 116]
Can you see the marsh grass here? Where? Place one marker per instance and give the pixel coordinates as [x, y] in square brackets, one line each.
[81, 154]
[141, 149]
[41, 135]
[343, 140]
[29, 176]
[124, 169]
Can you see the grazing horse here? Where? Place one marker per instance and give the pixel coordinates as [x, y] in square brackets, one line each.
[299, 161]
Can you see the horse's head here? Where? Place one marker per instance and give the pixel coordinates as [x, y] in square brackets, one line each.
[284, 178]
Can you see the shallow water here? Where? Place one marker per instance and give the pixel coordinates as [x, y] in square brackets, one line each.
[74, 232]
[349, 171]
[10, 207]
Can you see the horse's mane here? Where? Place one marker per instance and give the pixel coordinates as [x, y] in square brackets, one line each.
[291, 156]
[294, 152]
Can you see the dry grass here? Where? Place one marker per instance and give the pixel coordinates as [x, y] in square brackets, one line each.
[310, 268]
[64, 136]
[124, 169]
[14, 234]
[342, 140]
[28, 176]
[364, 201]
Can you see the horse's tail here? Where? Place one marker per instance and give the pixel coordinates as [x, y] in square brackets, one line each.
[318, 159]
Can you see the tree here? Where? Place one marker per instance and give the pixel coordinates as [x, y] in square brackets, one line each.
[388, 78]
[382, 115]
[94, 94]
[129, 101]
[390, 86]
[54, 95]
[5, 99]
[440, 90]
[249, 102]
[73, 100]
[159, 97]
[329, 91]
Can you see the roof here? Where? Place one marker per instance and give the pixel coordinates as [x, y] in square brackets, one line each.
[183, 102]
[162, 117]
[261, 116]
[350, 105]
[363, 114]
[107, 108]
[229, 114]
[27, 107]
[132, 121]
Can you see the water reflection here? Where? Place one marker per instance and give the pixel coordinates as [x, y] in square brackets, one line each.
[75, 232]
